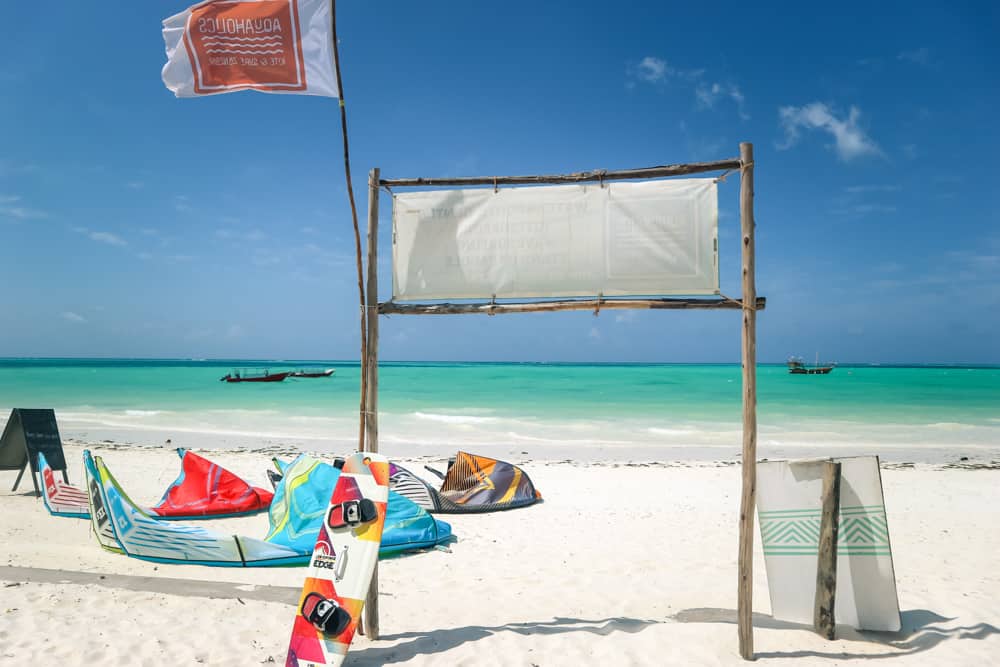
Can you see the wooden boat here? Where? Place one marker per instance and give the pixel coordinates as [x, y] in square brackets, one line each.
[253, 376]
[798, 367]
[312, 374]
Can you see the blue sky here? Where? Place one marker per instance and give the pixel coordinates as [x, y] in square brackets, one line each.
[136, 224]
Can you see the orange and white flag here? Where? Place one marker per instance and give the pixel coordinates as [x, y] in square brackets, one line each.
[274, 46]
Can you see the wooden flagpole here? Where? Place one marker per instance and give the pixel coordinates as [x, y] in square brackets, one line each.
[748, 497]
[357, 231]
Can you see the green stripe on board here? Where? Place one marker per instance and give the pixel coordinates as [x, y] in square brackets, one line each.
[771, 552]
[858, 509]
[855, 532]
[806, 551]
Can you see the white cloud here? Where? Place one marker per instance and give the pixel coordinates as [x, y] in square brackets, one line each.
[73, 317]
[21, 213]
[865, 209]
[235, 331]
[181, 204]
[232, 234]
[625, 316]
[653, 69]
[874, 208]
[861, 189]
[851, 141]
[657, 71]
[135, 185]
[594, 333]
[106, 237]
[18, 212]
[709, 94]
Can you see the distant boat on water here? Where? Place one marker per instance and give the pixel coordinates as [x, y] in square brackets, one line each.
[244, 375]
[796, 366]
[312, 374]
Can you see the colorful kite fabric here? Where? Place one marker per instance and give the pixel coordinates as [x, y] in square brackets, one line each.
[99, 519]
[206, 489]
[405, 483]
[203, 490]
[122, 527]
[60, 498]
[473, 483]
[302, 496]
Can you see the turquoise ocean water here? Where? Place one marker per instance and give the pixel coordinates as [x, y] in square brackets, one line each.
[522, 405]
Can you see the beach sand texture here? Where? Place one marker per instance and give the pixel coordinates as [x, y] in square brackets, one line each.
[623, 564]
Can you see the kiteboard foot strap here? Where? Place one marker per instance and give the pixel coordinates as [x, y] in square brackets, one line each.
[352, 513]
[326, 615]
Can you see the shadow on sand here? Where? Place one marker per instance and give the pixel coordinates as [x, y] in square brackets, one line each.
[438, 641]
[921, 631]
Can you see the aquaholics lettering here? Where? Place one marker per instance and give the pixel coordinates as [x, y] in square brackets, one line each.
[239, 26]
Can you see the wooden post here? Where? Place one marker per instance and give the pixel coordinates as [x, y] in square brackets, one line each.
[744, 607]
[824, 618]
[370, 370]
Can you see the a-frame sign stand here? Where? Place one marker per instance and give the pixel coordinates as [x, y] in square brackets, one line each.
[28, 433]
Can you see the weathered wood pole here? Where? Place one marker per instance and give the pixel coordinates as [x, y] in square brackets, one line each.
[824, 618]
[490, 308]
[371, 317]
[601, 175]
[744, 606]
[371, 373]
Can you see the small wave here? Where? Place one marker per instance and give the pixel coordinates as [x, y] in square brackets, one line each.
[454, 419]
[143, 413]
[671, 431]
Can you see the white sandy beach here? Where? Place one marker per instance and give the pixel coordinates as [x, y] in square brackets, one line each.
[623, 564]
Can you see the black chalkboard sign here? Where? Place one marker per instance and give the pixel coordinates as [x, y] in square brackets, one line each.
[28, 433]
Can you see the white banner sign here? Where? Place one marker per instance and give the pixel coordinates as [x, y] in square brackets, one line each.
[274, 46]
[619, 239]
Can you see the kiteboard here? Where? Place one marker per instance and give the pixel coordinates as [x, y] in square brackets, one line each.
[342, 563]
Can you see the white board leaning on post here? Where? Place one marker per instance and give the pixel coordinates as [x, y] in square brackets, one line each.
[789, 508]
[612, 239]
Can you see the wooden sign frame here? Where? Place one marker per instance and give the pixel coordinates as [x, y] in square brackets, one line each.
[749, 305]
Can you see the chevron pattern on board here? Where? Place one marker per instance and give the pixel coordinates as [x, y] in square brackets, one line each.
[863, 531]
